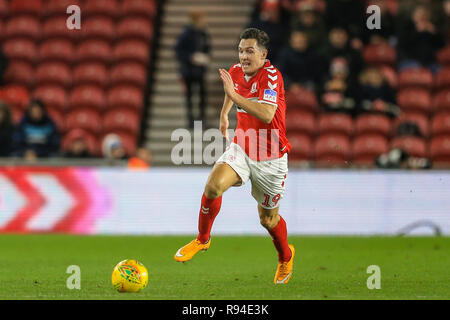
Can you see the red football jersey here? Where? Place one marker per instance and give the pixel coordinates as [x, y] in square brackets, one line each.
[259, 140]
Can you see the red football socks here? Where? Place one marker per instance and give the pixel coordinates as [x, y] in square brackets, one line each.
[208, 212]
[279, 238]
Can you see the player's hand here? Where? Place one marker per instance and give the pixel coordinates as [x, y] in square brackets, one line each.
[224, 126]
[228, 85]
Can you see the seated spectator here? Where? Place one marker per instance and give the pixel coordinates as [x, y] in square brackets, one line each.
[3, 65]
[113, 148]
[338, 92]
[6, 130]
[351, 14]
[78, 149]
[376, 95]
[419, 41]
[397, 158]
[299, 63]
[309, 21]
[36, 135]
[141, 160]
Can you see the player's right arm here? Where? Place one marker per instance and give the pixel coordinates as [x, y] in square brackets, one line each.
[226, 107]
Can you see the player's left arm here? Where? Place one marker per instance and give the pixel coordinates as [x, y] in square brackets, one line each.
[263, 111]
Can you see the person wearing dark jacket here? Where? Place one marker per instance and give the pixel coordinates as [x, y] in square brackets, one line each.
[192, 50]
[36, 135]
[6, 130]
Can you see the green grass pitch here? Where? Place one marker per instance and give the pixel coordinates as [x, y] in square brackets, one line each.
[235, 267]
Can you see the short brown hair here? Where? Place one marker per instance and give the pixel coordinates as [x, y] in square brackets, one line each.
[262, 39]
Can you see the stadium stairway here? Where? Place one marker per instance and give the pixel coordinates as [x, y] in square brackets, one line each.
[226, 19]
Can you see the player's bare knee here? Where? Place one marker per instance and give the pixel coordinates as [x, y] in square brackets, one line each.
[213, 190]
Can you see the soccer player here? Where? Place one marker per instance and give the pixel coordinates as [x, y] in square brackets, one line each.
[258, 152]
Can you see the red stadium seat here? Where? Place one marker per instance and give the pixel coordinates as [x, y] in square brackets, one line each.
[367, 147]
[129, 141]
[20, 73]
[101, 28]
[335, 122]
[54, 73]
[33, 7]
[414, 146]
[144, 8]
[56, 50]
[418, 118]
[301, 99]
[20, 49]
[379, 55]
[441, 101]
[59, 7]
[125, 97]
[414, 100]
[135, 28]
[301, 147]
[86, 119]
[4, 8]
[415, 77]
[441, 124]
[56, 27]
[23, 26]
[87, 96]
[443, 79]
[123, 120]
[373, 123]
[440, 149]
[332, 149]
[300, 121]
[74, 134]
[94, 51]
[128, 73]
[443, 56]
[16, 96]
[101, 7]
[54, 96]
[90, 73]
[132, 51]
[58, 118]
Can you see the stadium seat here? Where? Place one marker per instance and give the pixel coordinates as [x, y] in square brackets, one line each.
[24, 26]
[129, 140]
[16, 96]
[414, 146]
[443, 56]
[59, 7]
[131, 51]
[58, 118]
[56, 27]
[91, 140]
[332, 149]
[20, 73]
[373, 123]
[440, 149]
[16, 114]
[301, 147]
[414, 100]
[128, 73]
[33, 7]
[20, 49]
[443, 79]
[56, 50]
[440, 124]
[4, 8]
[367, 147]
[86, 119]
[101, 28]
[94, 51]
[379, 55]
[415, 78]
[90, 73]
[109, 8]
[87, 96]
[54, 73]
[54, 96]
[301, 99]
[125, 96]
[300, 121]
[145, 8]
[135, 28]
[441, 101]
[335, 122]
[420, 119]
[123, 120]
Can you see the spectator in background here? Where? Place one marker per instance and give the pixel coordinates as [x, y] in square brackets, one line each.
[78, 149]
[6, 130]
[141, 160]
[193, 53]
[36, 135]
[376, 94]
[112, 147]
[3, 65]
[309, 21]
[299, 63]
[386, 34]
[419, 40]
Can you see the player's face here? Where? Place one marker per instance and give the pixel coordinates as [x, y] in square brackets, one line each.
[251, 56]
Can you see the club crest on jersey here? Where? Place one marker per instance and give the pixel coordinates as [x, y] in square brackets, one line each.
[270, 95]
[254, 89]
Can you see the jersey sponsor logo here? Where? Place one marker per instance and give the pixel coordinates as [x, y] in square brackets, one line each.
[270, 95]
[254, 89]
